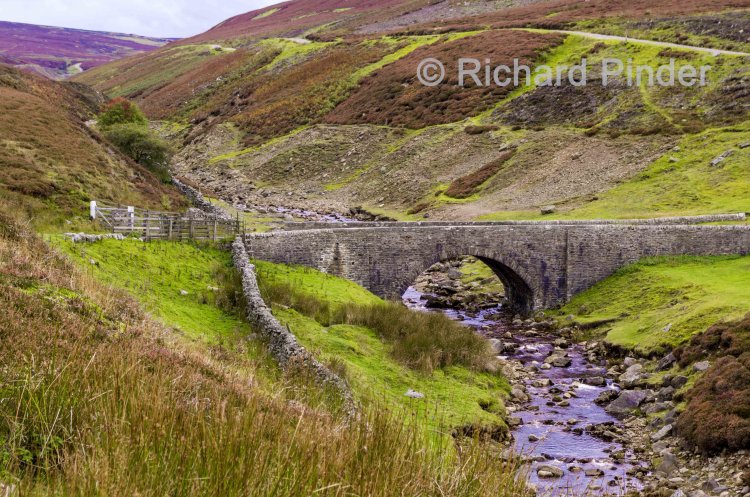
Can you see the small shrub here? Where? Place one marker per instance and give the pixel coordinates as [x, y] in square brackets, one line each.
[717, 416]
[719, 340]
[121, 111]
[141, 145]
[230, 297]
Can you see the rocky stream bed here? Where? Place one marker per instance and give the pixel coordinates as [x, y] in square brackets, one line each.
[587, 422]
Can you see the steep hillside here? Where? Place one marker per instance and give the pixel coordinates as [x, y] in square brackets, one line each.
[339, 119]
[59, 53]
[52, 164]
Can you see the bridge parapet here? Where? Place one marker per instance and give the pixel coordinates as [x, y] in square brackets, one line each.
[679, 220]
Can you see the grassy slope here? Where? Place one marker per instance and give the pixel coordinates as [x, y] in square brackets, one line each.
[688, 186]
[685, 295]
[453, 393]
[691, 185]
[156, 273]
[100, 399]
[682, 181]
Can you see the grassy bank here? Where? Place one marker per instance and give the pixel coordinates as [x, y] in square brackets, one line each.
[99, 399]
[660, 303]
[358, 335]
[178, 283]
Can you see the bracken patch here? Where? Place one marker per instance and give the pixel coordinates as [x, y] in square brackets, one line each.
[466, 186]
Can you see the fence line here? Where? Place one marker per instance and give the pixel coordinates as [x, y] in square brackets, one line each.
[159, 225]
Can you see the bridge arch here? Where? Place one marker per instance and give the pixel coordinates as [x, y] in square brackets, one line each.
[518, 292]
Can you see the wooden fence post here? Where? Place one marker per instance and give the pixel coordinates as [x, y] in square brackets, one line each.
[146, 223]
[131, 218]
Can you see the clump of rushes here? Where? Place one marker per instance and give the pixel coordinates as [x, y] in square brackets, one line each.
[422, 341]
[96, 400]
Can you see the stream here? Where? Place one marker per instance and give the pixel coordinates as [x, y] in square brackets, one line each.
[553, 430]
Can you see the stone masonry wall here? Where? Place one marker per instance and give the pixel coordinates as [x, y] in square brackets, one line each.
[544, 265]
[281, 341]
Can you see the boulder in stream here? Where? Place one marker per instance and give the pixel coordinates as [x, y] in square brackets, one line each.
[627, 402]
[549, 471]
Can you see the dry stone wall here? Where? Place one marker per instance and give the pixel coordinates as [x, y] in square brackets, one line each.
[198, 200]
[281, 341]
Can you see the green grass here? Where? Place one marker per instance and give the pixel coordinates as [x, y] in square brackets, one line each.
[686, 294]
[476, 271]
[452, 394]
[335, 291]
[265, 14]
[679, 183]
[156, 273]
[685, 187]
[289, 50]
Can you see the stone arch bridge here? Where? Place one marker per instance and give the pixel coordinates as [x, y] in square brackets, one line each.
[541, 264]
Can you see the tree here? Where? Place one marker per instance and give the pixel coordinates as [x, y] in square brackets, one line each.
[140, 144]
[121, 111]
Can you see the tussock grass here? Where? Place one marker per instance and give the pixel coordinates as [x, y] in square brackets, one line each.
[422, 341]
[98, 399]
